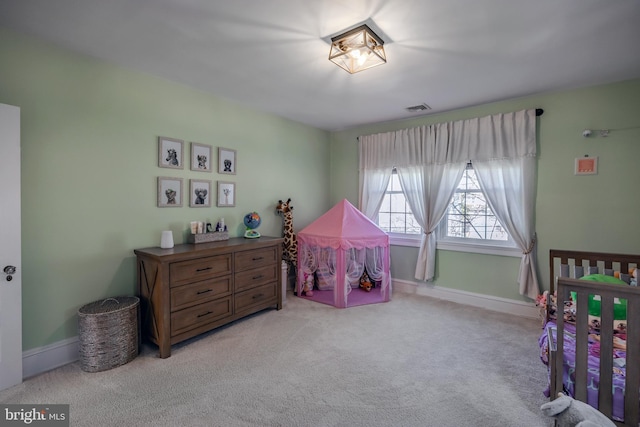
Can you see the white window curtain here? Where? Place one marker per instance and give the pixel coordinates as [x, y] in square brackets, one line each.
[428, 180]
[509, 186]
[376, 162]
[430, 161]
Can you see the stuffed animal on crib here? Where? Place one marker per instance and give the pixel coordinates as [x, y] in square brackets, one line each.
[365, 282]
[569, 412]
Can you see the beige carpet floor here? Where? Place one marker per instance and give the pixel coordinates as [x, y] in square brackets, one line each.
[414, 361]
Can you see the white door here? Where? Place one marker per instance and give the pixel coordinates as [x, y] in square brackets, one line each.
[10, 249]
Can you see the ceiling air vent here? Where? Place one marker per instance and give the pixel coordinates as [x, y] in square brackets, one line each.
[418, 108]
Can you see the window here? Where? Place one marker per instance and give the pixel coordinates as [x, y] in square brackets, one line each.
[469, 224]
[469, 216]
[395, 216]
[469, 221]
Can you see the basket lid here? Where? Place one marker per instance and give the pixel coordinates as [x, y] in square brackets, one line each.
[109, 305]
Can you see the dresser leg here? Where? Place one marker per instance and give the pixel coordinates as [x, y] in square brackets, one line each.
[165, 350]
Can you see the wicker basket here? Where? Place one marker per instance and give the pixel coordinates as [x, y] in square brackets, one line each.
[108, 333]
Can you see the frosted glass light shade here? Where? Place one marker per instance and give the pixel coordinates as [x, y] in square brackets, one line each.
[357, 50]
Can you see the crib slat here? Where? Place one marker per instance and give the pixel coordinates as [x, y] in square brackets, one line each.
[605, 396]
[581, 344]
[632, 386]
[558, 365]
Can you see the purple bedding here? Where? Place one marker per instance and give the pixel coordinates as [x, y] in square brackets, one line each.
[593, 371]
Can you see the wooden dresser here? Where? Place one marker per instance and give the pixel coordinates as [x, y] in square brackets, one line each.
[193, 288]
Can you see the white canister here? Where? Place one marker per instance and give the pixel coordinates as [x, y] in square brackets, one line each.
[166, 241]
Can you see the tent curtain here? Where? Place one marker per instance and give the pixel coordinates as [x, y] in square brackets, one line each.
[430, 161]
[377, 264]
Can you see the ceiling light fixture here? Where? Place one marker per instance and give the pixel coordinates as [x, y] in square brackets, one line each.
[357, 49]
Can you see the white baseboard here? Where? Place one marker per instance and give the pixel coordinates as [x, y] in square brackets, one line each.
[42, 359]
[503, 305]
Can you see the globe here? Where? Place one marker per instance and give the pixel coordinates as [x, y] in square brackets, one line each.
[252, 221]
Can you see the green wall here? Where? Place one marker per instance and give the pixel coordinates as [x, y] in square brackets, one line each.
[592, 213]
[89, 169]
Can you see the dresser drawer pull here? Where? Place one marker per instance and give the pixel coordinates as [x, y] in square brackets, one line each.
[258, 258]
[258, 296]
[204, 292]
[205, 314]
[203, 269]
[259, 276]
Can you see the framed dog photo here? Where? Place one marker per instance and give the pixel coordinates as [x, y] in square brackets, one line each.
[169, 192]
[199, 193]
[227, 160]
[200, 157]
[226, 194]
[170, 153]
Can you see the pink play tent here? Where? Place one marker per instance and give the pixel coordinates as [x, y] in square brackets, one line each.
[335, 250]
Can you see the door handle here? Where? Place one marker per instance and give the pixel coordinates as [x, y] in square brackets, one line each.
[9, 270]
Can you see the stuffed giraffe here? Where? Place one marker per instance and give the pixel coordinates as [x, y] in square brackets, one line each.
[290, 254]
[290, 243]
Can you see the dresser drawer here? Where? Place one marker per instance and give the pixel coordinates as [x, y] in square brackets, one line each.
[255, 297]
[256, 277]
[191, 318]
[256, 258]
[199, 292]
[199, 269]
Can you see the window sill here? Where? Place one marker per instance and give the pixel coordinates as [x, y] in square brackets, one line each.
[414, 241]
[479, 248]
[405, 240]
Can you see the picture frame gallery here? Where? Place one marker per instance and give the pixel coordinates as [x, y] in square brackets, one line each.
[170, 191]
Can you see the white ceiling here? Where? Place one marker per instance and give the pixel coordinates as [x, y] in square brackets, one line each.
[271, 55]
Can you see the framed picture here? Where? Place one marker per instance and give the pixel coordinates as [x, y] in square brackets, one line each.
[200, 157]
[199, 193]
[586, 166]
[227, 161]
[170, 153]
[169, 192]
[226, 193]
